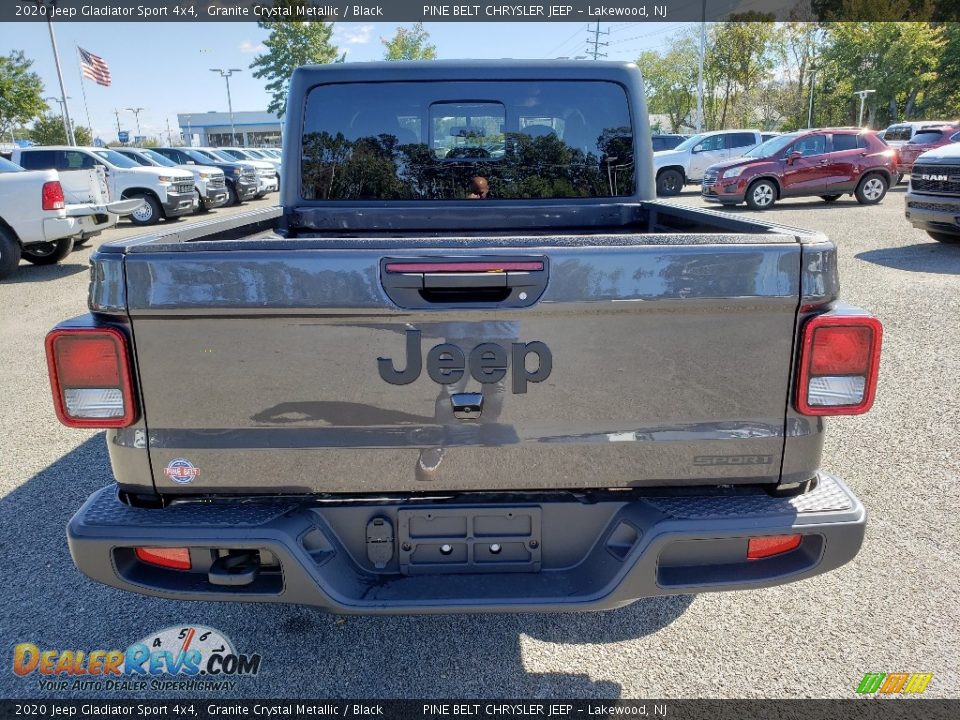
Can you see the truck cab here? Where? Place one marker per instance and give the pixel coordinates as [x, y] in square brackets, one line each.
[167, 193]
[688, 161]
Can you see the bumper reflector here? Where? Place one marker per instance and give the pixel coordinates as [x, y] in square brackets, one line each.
[172, 558]
[764, 547]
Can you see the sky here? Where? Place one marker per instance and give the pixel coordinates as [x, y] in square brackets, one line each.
[164, 67]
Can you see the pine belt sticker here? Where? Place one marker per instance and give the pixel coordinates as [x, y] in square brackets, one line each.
[181, 471]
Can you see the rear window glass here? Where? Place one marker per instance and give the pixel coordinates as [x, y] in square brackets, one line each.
[927, 136]
[456, 141]
[898, 132]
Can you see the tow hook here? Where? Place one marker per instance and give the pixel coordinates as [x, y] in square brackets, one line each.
[239, 567]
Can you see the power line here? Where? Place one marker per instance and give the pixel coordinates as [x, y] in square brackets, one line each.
[671, 28]
[563, 44]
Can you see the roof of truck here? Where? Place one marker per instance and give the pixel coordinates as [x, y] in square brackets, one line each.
[506, 69]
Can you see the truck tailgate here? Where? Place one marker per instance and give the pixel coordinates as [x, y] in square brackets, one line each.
[84, 187]
[292, 370]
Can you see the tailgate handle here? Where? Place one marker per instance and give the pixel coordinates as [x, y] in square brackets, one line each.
[464, 282]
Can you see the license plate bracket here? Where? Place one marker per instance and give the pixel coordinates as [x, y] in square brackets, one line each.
[473, 539]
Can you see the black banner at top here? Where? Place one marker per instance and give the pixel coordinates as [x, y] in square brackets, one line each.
[474, 11]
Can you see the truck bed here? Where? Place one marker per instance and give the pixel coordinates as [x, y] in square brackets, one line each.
[671, 339]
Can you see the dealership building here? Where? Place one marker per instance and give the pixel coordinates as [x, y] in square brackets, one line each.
[253, 129]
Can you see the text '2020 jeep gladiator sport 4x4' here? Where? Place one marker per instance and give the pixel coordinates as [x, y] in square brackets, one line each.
[470, 364]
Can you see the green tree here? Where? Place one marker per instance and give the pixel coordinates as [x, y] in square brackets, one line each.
[671, 81]
[49, 130]
[290, 45]
[409, 44]
[900, 61]
[21, 92]
[737, 63]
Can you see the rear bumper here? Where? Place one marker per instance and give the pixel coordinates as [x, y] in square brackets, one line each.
[620, 551]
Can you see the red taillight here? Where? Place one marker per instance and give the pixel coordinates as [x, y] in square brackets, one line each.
[53, 196]
[90, 377]
[764, 547]
[839, 358]
[173, 558]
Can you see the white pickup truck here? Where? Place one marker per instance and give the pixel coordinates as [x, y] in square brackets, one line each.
[687, 162]
[43, 213]
[167, 192]
[211, 185]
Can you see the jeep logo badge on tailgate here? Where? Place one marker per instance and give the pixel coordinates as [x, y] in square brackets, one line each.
[447, 362]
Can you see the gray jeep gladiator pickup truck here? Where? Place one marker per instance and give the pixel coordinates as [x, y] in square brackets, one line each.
[470, 364]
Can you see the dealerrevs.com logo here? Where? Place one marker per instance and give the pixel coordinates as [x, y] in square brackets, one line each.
[179, 658]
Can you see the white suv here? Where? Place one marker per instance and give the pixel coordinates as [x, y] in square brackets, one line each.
[687, 162]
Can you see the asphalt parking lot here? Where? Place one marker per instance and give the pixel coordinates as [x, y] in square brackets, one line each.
[894, 608]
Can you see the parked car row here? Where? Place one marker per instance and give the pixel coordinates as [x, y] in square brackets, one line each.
[926, 138]
[55, 197]
[687, 162]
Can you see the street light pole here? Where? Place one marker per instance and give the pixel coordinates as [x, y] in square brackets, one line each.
[67, 125]
[703, 50]
[225, 73]
[862, 94]
[60, 102]
[136, 111]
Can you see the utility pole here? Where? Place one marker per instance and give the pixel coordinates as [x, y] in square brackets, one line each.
[862, 94]
[225, 74]
[136, 111]
[813, 87]
[703, 51]
[67, 125]
[169, 134]
[596, 42]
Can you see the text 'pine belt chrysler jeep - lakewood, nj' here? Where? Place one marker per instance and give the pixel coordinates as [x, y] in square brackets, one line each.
[471, 364]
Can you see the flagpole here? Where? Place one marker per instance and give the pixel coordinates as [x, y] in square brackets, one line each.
[63, 90]
[83, 90]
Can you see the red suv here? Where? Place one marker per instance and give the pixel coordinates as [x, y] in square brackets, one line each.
[926, 138]
[828, 162]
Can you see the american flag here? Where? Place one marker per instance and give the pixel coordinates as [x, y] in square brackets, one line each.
[94, 67]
